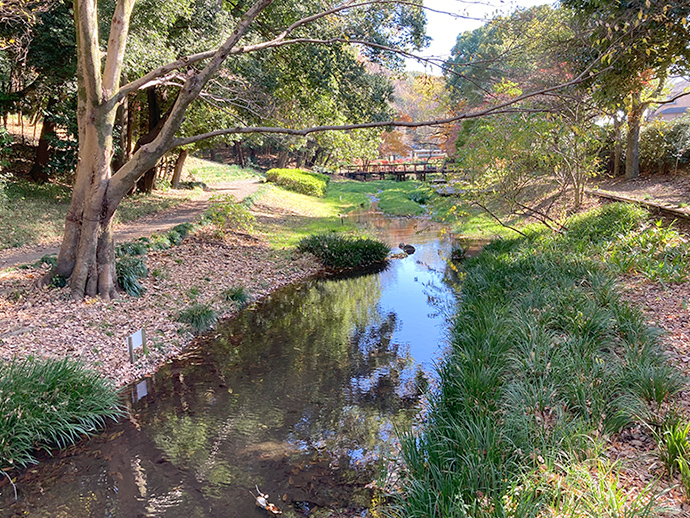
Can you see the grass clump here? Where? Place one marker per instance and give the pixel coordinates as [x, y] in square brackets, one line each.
[48, 403]
[200, 317]
[544, 359]
[129, 269]
[299, 180]
[341, 252]
[237, 294]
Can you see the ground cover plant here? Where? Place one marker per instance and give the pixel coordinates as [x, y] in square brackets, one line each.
[545, 360]
[299, 180]
[49, 403]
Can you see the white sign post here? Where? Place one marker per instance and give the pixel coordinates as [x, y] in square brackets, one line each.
[135, 341]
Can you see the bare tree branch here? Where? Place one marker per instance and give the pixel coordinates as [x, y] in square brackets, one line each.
[504, 107]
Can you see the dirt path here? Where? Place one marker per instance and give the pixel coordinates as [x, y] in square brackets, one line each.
[143, 227]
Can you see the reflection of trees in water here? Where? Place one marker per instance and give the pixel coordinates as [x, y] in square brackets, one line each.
[313, 369]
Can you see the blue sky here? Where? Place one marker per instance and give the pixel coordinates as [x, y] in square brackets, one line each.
[444, 28]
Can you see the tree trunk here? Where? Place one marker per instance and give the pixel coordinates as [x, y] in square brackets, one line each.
[124, 119]
[283, 159]
[38, 170]
[148, 181]
[179, 165]
[632, 150]
[617, 145]
[239, 153]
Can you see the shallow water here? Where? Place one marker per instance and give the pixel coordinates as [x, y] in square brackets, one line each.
[300, 396]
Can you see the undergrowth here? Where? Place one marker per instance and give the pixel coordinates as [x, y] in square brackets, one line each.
[544, 360]
[47, 403]
[130, 265]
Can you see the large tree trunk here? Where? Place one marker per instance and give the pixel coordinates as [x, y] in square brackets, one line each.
[87, 255]
[38, 171]
[148, 181]
[632, 150]
[179, 165]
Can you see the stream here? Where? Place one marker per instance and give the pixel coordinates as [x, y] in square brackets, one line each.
[300, 395]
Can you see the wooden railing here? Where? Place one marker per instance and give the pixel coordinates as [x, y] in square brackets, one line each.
[400, 171]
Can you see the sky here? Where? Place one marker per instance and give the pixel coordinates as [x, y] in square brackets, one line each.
[444, 28]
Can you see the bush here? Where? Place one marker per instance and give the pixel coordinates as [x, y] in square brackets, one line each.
[421, 195]
[226, 214]
[47, 403]
[340, 252]
[298, 180]
[200, 317]
[665, 146]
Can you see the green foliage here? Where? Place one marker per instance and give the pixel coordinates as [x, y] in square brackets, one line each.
[674, 447]
[5, 144]
[341, 252]
[200, 317]
[129, 270]
[299, 180]
[237, 294]
[665, 146]
[209, 172]
[421, 195]
[544, 357]
[606, 224]
[658, 252]
[47, 403]
[228, 215]
[48, 260]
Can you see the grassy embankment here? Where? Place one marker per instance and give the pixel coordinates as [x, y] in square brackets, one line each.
[545, 362]
[307, 215]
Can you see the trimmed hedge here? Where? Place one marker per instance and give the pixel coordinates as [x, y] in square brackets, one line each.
[341, 252]
[299, 180]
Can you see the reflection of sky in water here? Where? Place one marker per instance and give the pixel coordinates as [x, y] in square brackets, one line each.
[406, 288]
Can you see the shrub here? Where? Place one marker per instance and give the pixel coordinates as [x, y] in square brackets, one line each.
[47, 403]
[200, 317]
[665, 146]
[226, 214]
[340, 252]
[129, 270]
[298, 180]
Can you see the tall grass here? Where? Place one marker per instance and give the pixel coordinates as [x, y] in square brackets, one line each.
[49, 403]
[544, 358]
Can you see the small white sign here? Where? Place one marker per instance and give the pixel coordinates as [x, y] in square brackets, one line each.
[141, 389]
[135, 341]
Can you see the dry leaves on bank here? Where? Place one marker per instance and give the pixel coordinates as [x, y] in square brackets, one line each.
[46, 323]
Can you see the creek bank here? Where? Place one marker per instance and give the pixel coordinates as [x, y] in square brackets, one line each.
[45, 323]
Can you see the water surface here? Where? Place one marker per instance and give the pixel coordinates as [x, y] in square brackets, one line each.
[300, 395]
